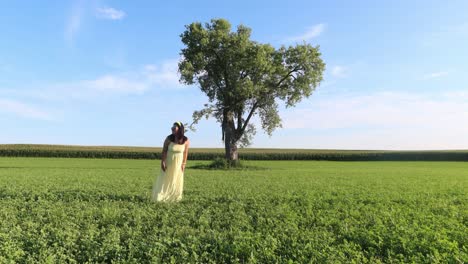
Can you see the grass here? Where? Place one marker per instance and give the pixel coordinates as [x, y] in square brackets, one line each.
[87, 210]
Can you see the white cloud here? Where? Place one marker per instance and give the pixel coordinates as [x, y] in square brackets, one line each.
[117, 84]
[164, 75]
[74, 21]
[435, 75]
[151, 76]
[23, 110]
[77, 14]
[110, 13]
[312, 32]
[339, 71]
[150, 68]
[385, 121]
[137, 82]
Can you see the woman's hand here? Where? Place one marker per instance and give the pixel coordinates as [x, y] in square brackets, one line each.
[163, 165]
[183, 166]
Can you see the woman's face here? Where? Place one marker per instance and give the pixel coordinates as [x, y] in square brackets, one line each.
[174, 129]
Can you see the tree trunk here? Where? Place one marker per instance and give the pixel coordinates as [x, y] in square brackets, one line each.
[231, 152]
[230, 140]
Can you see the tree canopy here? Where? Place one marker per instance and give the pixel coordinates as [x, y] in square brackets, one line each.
[243, 78]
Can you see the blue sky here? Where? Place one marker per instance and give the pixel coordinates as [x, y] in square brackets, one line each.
[105, 72]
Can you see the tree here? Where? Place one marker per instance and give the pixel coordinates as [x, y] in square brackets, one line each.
[243, 78]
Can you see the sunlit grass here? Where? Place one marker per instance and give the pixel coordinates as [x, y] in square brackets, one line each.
[80, 210]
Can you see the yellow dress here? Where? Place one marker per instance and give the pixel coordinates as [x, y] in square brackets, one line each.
[169, 185]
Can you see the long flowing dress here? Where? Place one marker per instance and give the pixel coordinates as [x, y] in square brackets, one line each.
[169, 185]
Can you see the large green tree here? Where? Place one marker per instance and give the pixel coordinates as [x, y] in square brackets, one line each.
[243, 78]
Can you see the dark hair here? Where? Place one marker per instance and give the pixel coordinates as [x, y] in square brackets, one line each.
[180, 134]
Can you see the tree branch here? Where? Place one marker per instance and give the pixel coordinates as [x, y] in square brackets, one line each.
[287, 75]
[217, 79]
[239, 119]
[252, 111]
[223, 124]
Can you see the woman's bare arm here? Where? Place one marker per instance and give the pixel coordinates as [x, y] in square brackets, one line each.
[164, 154]
[187, 144]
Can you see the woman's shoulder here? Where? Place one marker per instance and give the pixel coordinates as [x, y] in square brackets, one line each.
[168, 140]
[171, 138]
[184, 141]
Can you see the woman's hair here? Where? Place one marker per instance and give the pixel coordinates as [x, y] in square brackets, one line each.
[179, 135]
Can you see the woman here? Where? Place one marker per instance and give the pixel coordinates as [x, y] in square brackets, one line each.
[169, 185]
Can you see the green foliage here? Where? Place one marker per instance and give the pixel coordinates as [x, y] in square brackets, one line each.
[223, 164]
[243, 78]
[244, 154]
[98, 211]
[219, 163]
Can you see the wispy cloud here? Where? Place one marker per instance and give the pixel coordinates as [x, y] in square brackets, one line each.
[435, 75]
[151, 76]
[115, 83]
[23, 110]
[385, 120]
[110, 13]
[74, 21]
[163, 75]
[311, 32]
[80, 8]
[339, 71]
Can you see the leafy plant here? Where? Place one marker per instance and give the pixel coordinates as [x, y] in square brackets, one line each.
[99, 211]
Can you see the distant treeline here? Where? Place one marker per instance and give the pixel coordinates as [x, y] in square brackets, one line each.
[111, 152]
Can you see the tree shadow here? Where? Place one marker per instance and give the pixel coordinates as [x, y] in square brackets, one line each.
[210, 167]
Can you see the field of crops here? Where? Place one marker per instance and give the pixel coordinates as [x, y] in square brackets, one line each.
[98, 210]
[123, 152]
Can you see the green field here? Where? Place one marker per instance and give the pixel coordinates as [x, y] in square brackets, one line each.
[98, 211]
